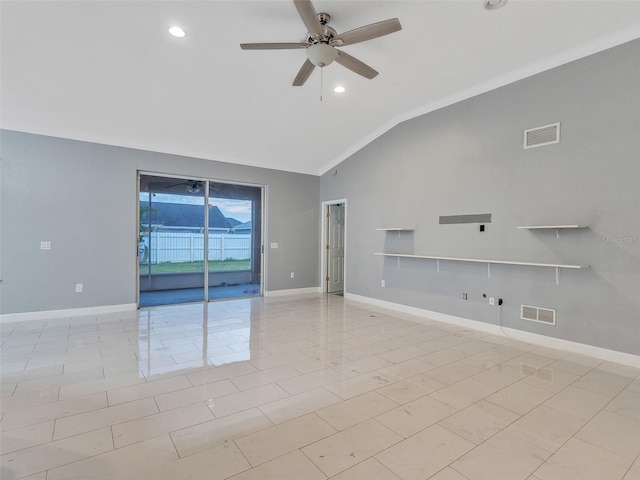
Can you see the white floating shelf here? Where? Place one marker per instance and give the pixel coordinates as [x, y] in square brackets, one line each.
[552, 227]
[479, 260]
[557, 266]
[557, 228]
[394, 229]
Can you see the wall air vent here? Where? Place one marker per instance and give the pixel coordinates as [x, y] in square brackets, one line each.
[538, 314]
[546, 135]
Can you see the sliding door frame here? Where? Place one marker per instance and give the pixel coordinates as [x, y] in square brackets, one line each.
[263, 225]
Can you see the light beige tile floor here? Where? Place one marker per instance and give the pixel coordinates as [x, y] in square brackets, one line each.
[304, 387]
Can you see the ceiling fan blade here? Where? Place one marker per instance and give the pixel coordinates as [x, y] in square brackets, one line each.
[355, 65]
[176, 185]
[368, 32]
[272, 46]
[303, 74]
[309, 16]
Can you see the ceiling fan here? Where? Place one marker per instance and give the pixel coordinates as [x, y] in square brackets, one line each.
[322, 40]
[193, 186]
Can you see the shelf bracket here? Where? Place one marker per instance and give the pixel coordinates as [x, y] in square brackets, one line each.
[489, 270]
[557, 234]
[398, 258]
[557, 276]
[438, 265]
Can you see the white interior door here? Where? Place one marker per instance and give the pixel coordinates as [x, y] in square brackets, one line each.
[335, 242]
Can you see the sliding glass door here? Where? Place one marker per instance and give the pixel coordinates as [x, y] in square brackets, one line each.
[171, 248]
[191, 226]
[235, 241]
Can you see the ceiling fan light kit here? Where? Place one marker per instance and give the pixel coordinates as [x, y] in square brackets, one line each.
[322, 41]
[321, 54]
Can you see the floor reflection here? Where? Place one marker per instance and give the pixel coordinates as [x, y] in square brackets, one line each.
[304, 387]
[195, 336]
[188, 337]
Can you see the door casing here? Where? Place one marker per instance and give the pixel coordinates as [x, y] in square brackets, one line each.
[323, 242]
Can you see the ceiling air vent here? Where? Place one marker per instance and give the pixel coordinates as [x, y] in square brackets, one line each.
[546, 135]
[538, 314]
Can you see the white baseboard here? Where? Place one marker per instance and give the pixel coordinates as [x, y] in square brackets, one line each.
[291, 291]
[574, 347]
[528, 337]
[69, 312]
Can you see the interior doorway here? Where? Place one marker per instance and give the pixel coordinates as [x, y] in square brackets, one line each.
[198, 240]
[334, 243]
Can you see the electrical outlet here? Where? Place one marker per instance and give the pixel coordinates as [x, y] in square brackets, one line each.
[382, 283]
[274, 245]
[293, 275]
[492, 300]
[45, 245]
[79, 288]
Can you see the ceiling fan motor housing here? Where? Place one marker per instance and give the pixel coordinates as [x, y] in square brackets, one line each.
[328, 33]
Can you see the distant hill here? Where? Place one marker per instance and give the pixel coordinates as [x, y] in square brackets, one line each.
[180, 215]
[246, 226]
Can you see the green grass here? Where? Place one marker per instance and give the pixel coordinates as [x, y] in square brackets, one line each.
[196, 267]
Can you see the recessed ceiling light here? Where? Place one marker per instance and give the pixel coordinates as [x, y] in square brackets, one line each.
[494, 4]
[177, 32]
[339, 89]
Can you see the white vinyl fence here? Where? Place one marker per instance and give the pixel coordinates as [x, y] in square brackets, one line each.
[189, 247]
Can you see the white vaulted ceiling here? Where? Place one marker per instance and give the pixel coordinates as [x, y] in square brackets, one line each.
[109, 72]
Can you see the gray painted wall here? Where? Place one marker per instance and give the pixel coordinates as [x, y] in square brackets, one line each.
[82, 197]
[468, 158]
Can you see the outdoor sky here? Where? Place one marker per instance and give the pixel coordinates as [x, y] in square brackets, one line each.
[238, 209]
